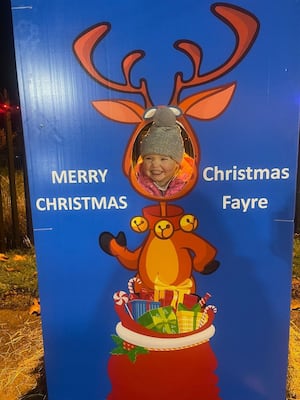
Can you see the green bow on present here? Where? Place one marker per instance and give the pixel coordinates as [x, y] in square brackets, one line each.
[162, 319]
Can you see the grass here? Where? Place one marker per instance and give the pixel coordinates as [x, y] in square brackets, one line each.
[6, 203]
[18, 274]
[296, 256]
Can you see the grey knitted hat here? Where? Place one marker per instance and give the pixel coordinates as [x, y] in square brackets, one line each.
[163, 136]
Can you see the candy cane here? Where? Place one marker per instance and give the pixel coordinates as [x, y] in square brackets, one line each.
[131, 283]
[204, 315]
[204, 299]
[214, 308]
[121, 298]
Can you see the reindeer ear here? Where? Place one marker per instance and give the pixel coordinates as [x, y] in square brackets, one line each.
[125, 111]
[208, 104]
[148, 114]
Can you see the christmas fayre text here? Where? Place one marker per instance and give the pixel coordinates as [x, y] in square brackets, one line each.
[208, 174]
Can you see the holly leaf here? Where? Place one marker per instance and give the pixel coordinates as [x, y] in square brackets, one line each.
[118, 350]
[121, 349]
[132, 354]
[117, 340]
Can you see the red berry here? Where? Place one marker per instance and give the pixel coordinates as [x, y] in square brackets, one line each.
[128, 346]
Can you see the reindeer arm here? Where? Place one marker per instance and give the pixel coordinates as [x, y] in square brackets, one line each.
[204, 253]
[129, 259]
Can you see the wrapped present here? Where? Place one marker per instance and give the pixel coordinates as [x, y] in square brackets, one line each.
[167, 298]
[162, 319]
[139, 307]
[146, 294]
[189, 300]
[188, 318]
[179, 291]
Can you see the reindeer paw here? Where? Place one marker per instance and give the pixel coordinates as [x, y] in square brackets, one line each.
[105, 239]
[211, 267]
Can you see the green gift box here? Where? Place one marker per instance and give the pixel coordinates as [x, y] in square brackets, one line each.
[162, 319]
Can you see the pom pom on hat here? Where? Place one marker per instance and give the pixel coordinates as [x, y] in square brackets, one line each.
[164, 136]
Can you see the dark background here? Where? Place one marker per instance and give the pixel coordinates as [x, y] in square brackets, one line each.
[8, 78]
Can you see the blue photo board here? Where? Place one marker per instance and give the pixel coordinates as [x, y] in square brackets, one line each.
[161, 142]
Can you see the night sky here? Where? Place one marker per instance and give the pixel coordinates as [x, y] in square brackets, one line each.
[8, 78]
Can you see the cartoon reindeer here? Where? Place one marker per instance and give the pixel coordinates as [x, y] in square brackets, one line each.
[172, 249]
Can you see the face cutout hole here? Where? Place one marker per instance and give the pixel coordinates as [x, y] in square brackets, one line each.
[160, 175]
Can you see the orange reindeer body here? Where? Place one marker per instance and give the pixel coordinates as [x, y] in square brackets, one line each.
[170, 252]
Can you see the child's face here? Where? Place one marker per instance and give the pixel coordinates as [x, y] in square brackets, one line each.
[159, 168]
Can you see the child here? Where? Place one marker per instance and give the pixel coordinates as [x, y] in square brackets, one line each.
[162, 151]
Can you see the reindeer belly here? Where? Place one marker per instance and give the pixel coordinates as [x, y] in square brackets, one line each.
[160, 259]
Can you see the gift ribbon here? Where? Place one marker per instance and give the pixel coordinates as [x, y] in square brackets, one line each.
[196, 308]
[163, 318]
[178, 291]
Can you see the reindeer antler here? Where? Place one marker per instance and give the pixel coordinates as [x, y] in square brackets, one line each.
[245, 27]
[84, 47]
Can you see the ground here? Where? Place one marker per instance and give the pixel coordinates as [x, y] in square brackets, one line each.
[293, 381]
[22, 374]
[21, 351]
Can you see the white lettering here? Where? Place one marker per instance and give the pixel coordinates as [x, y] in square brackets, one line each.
[217, 174]
[236, 203]
[285, 173]
[103, 174]
[123, 202]
[82, 176]
[40, 204]
[81, 203]
[56, 178]
[74, 176]
[62, 203]
[208, 174]
[113, 203]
